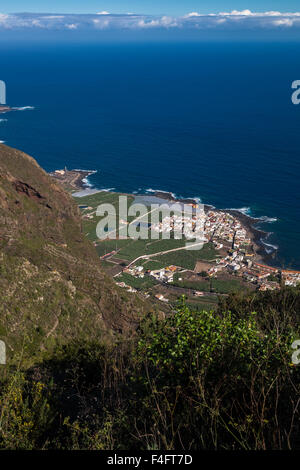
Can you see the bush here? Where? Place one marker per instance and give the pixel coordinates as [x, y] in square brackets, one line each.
[25, 414]
[217, 382]
[192, 381]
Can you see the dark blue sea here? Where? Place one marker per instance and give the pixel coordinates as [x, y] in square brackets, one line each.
[210, 120]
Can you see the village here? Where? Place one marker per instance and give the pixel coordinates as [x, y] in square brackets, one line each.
[237, 257]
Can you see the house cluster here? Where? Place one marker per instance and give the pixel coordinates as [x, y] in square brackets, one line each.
[234, 262]
[190, 225]
[242, 265]
[136, 271]
[224, 231]
[221, 226]
[263, 276]
[125, 286]
[290, 278]
[212, 226]
[162, 275]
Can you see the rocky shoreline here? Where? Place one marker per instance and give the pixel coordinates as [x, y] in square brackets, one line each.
[4, 109]
[246, 221]
[72, 179]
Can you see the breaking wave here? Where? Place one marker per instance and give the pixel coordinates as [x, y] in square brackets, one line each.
[86, 182]
[174, 195]
[23, 108]
[269, 247]
[91, 172]
[150, 190]
[196, 199]
[266, 219]
[247, 211]
[242, 210]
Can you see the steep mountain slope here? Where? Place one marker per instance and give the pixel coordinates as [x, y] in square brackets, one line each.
[52, 287]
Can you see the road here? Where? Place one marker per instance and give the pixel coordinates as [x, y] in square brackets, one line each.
[162, 253]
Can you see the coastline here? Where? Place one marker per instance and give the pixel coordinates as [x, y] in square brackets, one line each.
[73, 180]
[76, 182]
[255, 234]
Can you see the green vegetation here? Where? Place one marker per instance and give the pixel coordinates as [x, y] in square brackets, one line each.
[91, 204]
[274, 278]
[203, 274]
[187, 258]
[131, 249]
[214, 285]
[137, 282]
[108, 246]
[136, 248]
[203, 286]
[103, 197]
[151, 264]
[195, 380]
[203, 304]
[221, 286]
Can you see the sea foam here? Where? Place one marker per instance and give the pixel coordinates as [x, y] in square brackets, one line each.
[266, 219]
[150, 190]
[242, 210]
[23, 108]
[269, 247]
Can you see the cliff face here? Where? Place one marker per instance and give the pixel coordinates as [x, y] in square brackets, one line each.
[52, 287]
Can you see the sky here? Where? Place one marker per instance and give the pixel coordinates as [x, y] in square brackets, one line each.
[155, 7]
[151, 17]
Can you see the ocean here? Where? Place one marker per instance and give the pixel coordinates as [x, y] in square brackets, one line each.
[212, 120]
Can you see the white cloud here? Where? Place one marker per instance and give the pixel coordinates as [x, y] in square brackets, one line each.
[235, 19]
[169, 21]
[54, 17]
[255, 14]
[37, 23]
[193, 13]
[269, 13]
[284, 22]
[4, 21]
[245, 13]
[237, 13]
[72, 26]
[164, 21]
[101, 24]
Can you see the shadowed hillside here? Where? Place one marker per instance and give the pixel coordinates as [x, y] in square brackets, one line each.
[52, 287]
